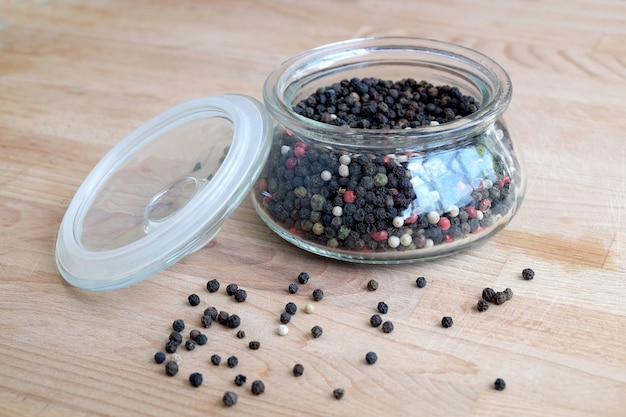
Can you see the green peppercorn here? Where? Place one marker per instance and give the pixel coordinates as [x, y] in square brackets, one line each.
[421, 282]
[528, 274]
[376, 320]
[499, 384]
[446, 321]
[258, 387]
[372, 285]
[178, 325]
[338, 393]
[171, 368]
[316, 331]
[303, 278]
[229, 399]
[318, 294]
[194, 300]
[159, 357]
[298, 369]
[371, 358]
[387, 327]
[216, 359]
[195, 379]
[213, 285]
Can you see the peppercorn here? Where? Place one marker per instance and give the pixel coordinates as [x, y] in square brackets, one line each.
[488, 294]
[190, 345]
[282, 330]
[194, 333]
[499, 384]
[371, 358]
[309, 308]
[231, 289]
[176, 358]
[338, 393]
[159, 357]
[528, 274]
[194, 300]
[176, 337]
[421, 282]
[372, 285]
[229, 399]
[241, 295]
[171, 346]
[178, 325]
[291, 308]
[285, 317]
[303, 278]
[316, 331]
[240, 380]
[387, 327]
[241, 334]
[211, 312]
[482, 305]
[509, 293]
[195, 379]
[213, 285]
[258, 387]
[222, 318]
[254, 345]
[446, 321]
[216, 359]
[206, 321]
[382, 307]
[376, 320]
[298, 369]
[201, 339]
[500, 298]
[318, 294]
[233, 321]
[293, 288]
[171, 368]
[232, 361]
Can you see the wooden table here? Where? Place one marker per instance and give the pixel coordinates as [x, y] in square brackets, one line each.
[76, 77]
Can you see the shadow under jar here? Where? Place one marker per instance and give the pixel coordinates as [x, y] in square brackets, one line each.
[398, 193]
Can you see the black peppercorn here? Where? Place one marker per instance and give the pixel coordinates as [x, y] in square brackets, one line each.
[488, 294]
[376, 320]
[159, 357]
[421, 282]
[222, 318]
[285, 317]
[229, 399]
[499, 384]
[316, 331]
[446, 321]
[298, 369]
[195, 379]
[291, 308]
[338, 393]
[303, 278]
[178, 325]
[387, 327]
[216, 359]
[233, 321]
[241, 295]
[500, 298]
[193, 299]
[232, 361]
[318, 294]
[371, 358]
[254, 345]
[241, 334]
[293, 288]
[482, 305]
[240, 380]
[211, 312]
[194, 333]
[206, 321]
[190, 344]
[372, 285]
[213, 285]
[171, 368]
[528, 274]
[176, 337]
[382, 307]
[231, 289]
[509, 293]
[258, 387]
[171, 346]
[201, 339]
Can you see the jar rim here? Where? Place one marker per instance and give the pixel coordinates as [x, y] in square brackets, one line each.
[493, 81]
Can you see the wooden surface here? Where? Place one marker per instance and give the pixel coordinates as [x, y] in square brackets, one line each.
[77, 76]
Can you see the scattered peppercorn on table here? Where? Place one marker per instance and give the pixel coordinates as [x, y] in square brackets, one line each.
[475, 333]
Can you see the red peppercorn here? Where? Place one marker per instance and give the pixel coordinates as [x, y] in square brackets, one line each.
[349, 197]
[471, 212]
[448, 238]
[380, 235]
[444, 223]
[291, 163]
[299, 151]
[300, 144]
[262, 184]
[411, 219]
[477, 230]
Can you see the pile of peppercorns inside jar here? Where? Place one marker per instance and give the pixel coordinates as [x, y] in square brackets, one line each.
[387, 201]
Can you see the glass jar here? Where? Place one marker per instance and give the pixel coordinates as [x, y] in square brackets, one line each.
[395, 194]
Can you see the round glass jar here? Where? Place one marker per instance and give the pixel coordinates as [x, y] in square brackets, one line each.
[395, 194]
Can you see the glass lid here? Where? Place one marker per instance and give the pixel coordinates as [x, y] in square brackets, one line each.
[163, 192]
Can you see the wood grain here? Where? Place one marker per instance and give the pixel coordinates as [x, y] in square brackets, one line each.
[76, 77]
